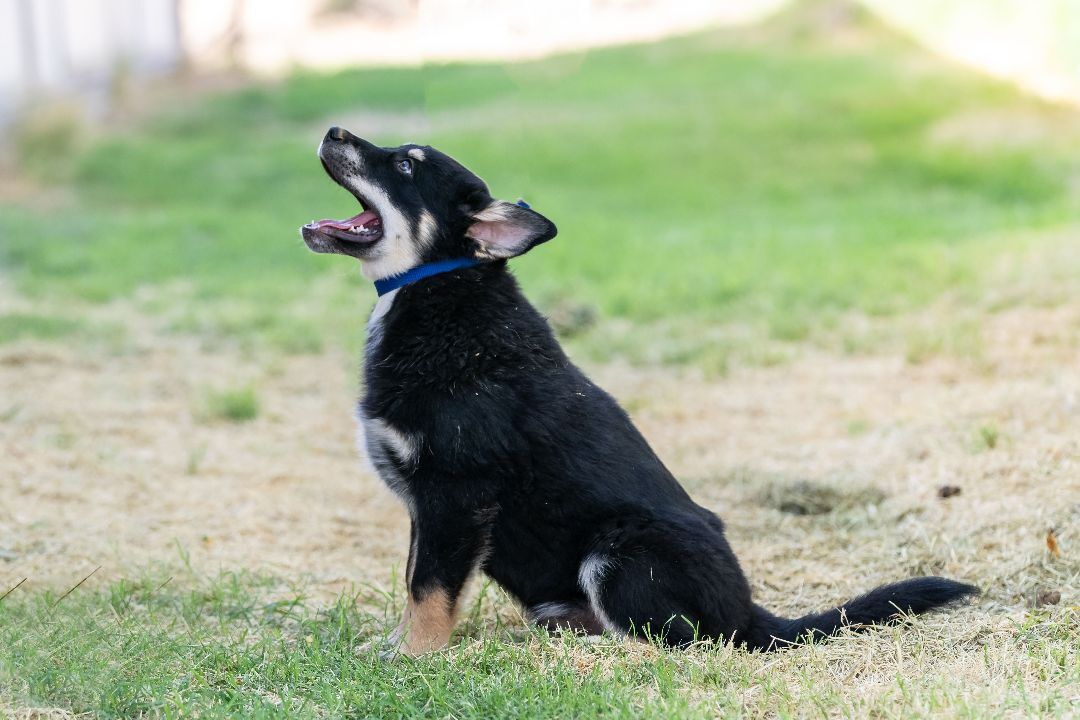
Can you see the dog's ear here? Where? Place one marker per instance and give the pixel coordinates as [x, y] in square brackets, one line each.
[504, 229]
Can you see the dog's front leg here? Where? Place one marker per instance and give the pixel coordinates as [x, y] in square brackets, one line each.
[444, 550]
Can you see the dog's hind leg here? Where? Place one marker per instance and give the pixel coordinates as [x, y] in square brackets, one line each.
[625, 596]
[679, 583]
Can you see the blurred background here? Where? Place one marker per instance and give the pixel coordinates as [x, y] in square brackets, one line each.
[819, 248]
[65, 46]
[825, 252]
[770, 167]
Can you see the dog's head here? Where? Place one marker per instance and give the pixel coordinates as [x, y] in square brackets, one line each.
[419, 205]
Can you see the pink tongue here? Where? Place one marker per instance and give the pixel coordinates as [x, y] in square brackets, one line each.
[358, 221]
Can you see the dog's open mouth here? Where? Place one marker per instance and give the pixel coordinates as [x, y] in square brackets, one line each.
[355, 236]
[364, 228]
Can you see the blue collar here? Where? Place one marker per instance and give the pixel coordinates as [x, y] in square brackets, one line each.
[389, 284]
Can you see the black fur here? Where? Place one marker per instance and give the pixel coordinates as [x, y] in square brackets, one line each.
[527, 470]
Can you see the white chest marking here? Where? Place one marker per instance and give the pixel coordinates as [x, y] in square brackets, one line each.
[375, 322]
[386, 448]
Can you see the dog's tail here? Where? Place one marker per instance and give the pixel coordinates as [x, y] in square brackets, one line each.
[880, 605]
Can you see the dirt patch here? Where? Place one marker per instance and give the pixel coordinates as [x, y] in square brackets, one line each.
[807, 497]
[109, 462]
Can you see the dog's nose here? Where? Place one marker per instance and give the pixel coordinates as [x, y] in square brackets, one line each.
[336, 133]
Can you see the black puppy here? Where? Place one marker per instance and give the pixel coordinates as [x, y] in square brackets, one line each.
[508, 458]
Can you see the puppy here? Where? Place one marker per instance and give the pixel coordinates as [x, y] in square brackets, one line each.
[508, 458]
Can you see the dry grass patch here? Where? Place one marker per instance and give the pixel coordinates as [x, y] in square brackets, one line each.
[107, 466]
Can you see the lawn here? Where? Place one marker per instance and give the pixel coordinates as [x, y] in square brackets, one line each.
[828, 273]
[224, 647]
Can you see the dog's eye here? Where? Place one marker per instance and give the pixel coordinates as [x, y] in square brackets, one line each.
[405, 165]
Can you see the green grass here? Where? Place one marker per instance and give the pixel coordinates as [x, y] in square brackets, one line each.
[232, 404]
[244, 645]
[222, 648]
[988, 437]
[771, 180]
[70, 328]
[17, 326]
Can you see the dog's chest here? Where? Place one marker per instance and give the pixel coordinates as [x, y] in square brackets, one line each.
[390, 451]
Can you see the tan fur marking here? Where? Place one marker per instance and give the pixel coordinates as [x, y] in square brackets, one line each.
[426, 624]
